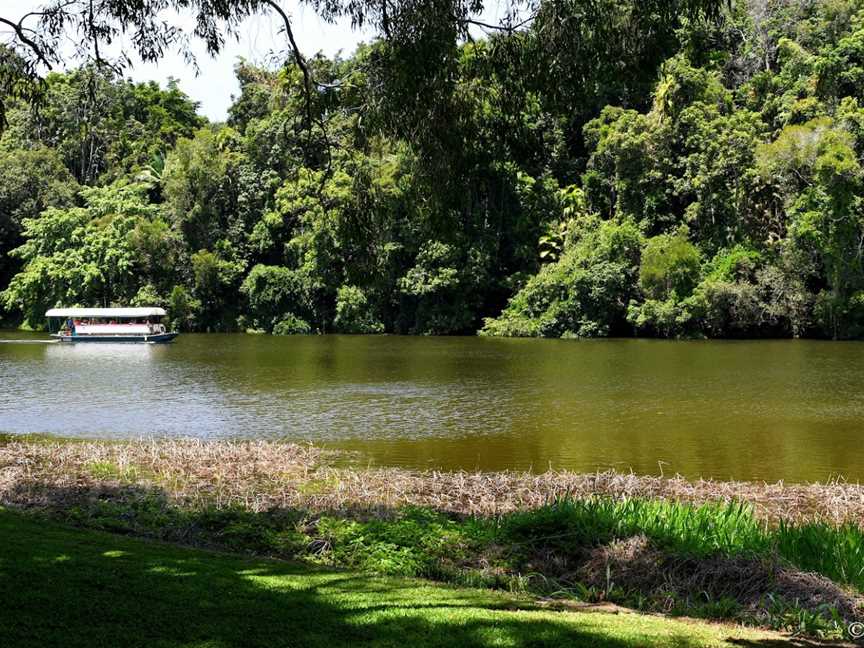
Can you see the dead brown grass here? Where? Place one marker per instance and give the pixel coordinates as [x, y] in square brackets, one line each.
[636, 565]
[262, 475]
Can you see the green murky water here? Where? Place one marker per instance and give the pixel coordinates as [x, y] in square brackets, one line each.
[770, 410]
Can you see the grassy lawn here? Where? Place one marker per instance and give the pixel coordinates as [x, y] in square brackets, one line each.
[61, 586]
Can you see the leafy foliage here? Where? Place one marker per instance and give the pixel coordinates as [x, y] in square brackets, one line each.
[584, 294]
[31, 180]
[82, 255]
[687, 168]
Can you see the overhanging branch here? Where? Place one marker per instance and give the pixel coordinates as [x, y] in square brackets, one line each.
[298, 57]
[19, 30]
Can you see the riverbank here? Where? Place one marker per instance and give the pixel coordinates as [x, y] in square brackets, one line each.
[781, 556]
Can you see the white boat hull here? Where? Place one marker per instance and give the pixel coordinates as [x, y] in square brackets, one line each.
[155, 338]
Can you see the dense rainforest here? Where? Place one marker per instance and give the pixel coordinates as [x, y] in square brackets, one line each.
[627, 172]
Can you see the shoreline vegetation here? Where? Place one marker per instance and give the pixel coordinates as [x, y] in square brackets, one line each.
[93, 583]
[781, 556]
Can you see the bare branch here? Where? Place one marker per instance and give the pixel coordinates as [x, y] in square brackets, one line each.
[36, 49]
[298, 57]
[308, 82]
[503, 27]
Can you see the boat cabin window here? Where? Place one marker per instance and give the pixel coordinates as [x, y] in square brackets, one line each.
[114, 325]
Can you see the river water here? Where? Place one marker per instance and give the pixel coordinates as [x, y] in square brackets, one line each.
[791, 410]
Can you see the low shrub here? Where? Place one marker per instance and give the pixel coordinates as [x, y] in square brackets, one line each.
[291, 325]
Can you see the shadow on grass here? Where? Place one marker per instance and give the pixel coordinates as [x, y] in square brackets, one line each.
[68, 587]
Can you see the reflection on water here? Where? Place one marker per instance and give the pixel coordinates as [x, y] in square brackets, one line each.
[748, 410]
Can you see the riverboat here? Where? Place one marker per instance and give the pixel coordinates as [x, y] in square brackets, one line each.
[109, 325]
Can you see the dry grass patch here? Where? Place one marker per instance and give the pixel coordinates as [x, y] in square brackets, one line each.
[262, 475]
[635, 564]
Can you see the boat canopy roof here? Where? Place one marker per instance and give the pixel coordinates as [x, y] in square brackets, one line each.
[113, 313]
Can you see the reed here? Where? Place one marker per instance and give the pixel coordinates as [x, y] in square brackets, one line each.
[262, 475]
[836, 552]
[673, 526]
